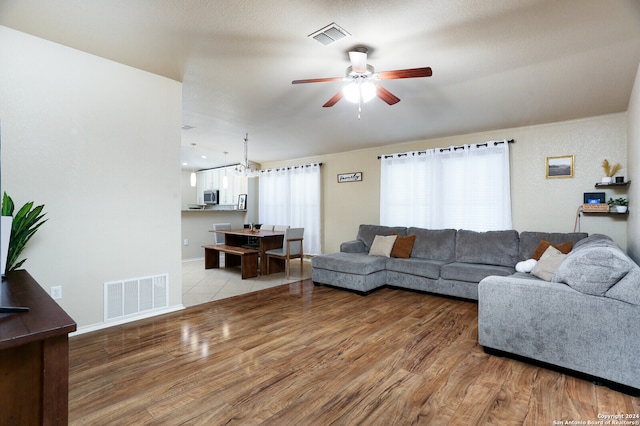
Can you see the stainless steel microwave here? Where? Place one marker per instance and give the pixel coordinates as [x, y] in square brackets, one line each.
[211, 196]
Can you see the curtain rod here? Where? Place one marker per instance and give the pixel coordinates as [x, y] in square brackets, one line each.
[291, 167]
[455, 148]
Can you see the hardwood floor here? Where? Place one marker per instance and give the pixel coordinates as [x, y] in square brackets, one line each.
[304, 355]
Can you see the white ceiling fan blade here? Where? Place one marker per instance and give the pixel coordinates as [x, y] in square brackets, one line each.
[358, 61]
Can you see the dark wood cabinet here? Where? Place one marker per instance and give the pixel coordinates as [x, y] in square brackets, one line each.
[34, 355]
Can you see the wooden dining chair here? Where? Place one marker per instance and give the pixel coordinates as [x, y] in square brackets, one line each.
[291, 249]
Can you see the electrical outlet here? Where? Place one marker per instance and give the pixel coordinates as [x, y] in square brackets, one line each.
[56, 292]
[186, 242]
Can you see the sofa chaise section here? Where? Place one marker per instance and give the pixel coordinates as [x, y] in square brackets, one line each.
[352, 268]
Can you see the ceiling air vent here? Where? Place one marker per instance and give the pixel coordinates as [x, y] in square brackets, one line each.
[329, 34]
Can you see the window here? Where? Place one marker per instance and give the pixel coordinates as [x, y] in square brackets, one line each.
[291, 196]
[464, 187]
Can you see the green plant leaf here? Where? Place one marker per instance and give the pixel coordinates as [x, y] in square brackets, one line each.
[7, 205]
[25, 224]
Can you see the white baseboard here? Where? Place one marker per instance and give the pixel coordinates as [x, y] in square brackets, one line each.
[103, 325]
[195, 259]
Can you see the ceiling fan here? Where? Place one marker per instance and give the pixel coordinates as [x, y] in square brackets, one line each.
[362, 79]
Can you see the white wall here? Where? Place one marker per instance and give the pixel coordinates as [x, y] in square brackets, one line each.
[539, 204]
[633, 150]
[98, 143]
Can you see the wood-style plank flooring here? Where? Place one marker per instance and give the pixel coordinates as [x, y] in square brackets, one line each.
[298, 354]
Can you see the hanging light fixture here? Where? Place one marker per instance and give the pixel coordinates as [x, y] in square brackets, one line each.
[244, 169]
[359, 91]
[225, 179]
[193, 178]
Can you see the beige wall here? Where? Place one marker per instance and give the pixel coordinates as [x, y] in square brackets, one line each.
[633, 149]
[539, 204]
[98, 143]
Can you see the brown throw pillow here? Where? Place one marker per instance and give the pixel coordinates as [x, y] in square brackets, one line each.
[403, 246]
[563, 248]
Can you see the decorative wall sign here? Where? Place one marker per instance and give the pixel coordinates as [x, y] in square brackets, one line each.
[350, 177]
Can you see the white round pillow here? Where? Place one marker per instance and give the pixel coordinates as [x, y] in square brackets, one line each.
[526, 265]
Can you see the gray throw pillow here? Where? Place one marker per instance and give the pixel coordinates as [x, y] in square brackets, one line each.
[593, 270]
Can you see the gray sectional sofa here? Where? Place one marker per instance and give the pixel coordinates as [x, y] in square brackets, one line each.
[585, 319]
[443, 261]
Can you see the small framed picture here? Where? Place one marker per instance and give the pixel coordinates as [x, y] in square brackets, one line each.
[560, 166]
[242, 202]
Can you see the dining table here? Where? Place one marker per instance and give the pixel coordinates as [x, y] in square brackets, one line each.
[262, 240]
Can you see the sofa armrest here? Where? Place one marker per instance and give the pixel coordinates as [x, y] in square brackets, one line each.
[354, 246]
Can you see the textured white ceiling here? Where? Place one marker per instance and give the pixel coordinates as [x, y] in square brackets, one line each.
[496, 64]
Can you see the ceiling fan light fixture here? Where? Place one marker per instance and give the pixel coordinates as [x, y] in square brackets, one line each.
[359, 92]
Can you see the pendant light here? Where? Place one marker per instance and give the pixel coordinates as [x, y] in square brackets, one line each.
[245, 169]
[193, 178]
[225, 179]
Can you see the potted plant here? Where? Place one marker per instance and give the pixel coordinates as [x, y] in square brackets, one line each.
[619, 204]
[24, 225]
[610, 171]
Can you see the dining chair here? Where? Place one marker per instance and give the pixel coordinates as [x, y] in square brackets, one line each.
[291, 249]
[281, 227]
[266, 228]
[218, 238]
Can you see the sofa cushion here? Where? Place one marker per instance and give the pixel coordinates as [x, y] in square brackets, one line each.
[487, 248]
[593, 269]
[367, 233]
[382, 245]
[352, 263]
[529, 241]
[472, 272]
[434, 244]
[414, 266]
[403, 246]
[548, 263]
[628, 288]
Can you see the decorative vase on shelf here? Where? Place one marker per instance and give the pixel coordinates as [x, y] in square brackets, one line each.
[606, 179]
[621, 209]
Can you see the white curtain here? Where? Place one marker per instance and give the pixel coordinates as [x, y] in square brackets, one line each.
[464, 187]
[291, 196]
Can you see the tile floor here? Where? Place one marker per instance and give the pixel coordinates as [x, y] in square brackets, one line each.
[201, 285]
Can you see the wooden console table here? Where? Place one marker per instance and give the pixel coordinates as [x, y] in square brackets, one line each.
[34, 355]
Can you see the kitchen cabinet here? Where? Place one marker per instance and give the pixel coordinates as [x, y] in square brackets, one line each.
[214, 178]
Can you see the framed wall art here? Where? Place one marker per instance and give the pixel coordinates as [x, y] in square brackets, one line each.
[559, 167]
[242, 202]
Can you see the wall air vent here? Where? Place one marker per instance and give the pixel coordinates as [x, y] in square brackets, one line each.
[329, 34]
[134, 296]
